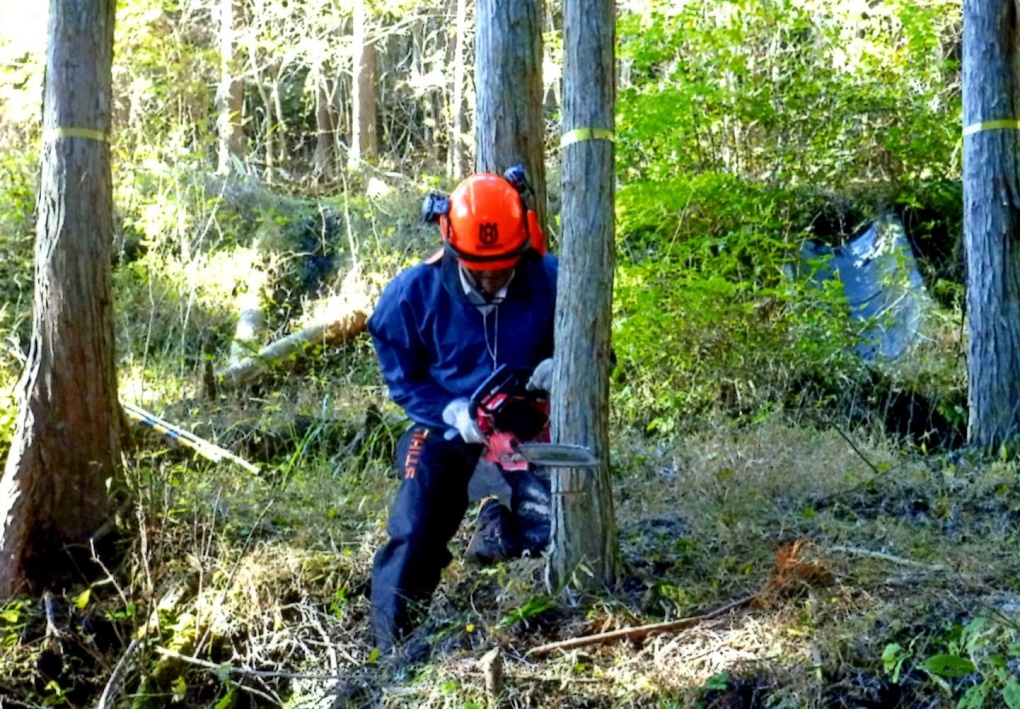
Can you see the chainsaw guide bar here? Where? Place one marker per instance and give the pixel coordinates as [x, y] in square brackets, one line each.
[557, 455]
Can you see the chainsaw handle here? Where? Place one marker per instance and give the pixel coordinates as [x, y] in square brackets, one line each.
[503, 380]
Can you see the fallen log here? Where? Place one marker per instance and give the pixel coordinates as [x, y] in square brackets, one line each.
[250, 323]
[339, 319]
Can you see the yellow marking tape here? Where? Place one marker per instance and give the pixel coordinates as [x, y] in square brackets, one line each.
[71, 132]
[579, 134]
[1001, 124]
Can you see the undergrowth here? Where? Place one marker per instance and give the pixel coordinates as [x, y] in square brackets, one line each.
[752, 464]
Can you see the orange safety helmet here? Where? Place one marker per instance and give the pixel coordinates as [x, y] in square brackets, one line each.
[486, 227]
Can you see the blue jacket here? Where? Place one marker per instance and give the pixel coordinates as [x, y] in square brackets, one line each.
[435, 346]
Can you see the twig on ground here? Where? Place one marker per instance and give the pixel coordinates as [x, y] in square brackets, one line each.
[53, 632]
[845, 437]
[199, 662]
[109, 695]
[888, 557]
[110, 578]
[639, 632]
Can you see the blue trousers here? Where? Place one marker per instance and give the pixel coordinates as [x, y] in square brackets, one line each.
[426, 513]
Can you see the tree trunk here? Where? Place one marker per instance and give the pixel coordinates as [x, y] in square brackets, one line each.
[585, 548]
[325, 133]
[459, 163]
[991, 218]
[230, 96]
[268, 126]
[364, 143]
[280, 127]
[509, 126]
[66, 447]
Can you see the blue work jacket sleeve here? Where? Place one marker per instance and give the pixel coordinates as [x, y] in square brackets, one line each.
[403, 360]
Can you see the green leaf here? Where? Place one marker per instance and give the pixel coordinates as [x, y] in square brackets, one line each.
[226, 701]
[948, 666]
[83, 599]
[1011, 694]
[974, 698]
[892, 660]
[373, 656]
[719, 681]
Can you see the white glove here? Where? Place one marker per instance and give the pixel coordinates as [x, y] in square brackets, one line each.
[542, 377]
[458, 415]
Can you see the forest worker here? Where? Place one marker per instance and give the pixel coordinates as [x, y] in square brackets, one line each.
[440, 329]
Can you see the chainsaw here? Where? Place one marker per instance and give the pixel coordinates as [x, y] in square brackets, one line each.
[516, 423]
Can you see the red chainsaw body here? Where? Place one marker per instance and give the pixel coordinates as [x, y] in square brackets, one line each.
[508, 418]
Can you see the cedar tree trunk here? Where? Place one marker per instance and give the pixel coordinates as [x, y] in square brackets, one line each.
[66, 447]
[585, 548]
[509, 127]
[364, 142]
[230, 96]
[991, 193]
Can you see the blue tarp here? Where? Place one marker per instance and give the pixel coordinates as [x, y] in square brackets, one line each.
[883, 287]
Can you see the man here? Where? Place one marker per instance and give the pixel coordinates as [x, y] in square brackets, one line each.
[440, 329]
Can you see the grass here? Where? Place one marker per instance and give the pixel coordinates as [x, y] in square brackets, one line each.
[866, 556]
[252, 588]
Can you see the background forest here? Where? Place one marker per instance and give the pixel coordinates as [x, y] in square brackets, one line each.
[756, 454]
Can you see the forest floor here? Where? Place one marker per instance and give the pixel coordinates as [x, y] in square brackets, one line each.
[863, 574]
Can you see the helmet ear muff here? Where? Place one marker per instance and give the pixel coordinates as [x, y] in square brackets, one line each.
[517, 176]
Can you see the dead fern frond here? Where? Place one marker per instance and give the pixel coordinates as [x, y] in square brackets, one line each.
[793, 575]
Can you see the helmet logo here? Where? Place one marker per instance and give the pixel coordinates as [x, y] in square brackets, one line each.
[488, 235]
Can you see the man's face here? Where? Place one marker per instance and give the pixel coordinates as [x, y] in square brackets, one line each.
[489, 282]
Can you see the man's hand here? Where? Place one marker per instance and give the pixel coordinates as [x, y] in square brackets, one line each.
[542, 377]
[458, 415]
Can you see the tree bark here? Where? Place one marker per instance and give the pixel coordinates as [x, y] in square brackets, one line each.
[325, 133]
[585, 548]
[364, 141]
[230, 96]
[509, 126]
[66, 447]
[459, 163]
[991, 187]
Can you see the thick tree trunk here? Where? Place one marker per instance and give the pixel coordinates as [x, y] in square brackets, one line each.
[509, 127]
[364, 142]
[991, 185]
[459, 163]
[230, 96]
[585, 548]
[66, 448]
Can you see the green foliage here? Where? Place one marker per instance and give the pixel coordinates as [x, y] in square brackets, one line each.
[166, 71]
[12, 622]
[707, 314]
[532, 607]
[17, 205]
[814, 93]
[983, 653]
[742, 127]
